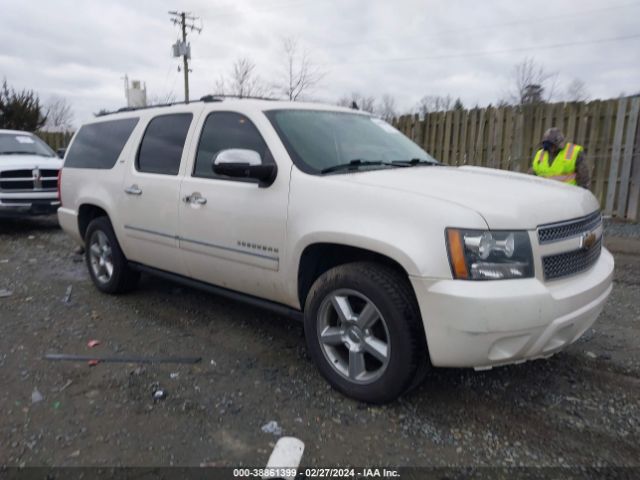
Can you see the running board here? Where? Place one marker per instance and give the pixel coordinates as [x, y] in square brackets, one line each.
[274, 307]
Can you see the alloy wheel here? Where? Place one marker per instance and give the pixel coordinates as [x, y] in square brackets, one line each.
[353, 336]
[100, 256]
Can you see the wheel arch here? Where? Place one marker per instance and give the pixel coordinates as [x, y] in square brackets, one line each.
[86, 213]
[319, 257]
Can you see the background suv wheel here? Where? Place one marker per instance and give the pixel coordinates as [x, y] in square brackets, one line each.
[364, 331]
[107, 265]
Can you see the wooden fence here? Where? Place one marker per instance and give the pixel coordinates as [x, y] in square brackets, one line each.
[508, 137]
[56, 140]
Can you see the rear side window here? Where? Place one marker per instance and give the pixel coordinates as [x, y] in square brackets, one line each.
[98, 145]
[162, 144]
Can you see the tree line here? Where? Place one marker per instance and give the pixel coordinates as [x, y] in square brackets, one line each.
[530, 83]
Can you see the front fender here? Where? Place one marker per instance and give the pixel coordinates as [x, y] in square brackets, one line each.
[403, 226]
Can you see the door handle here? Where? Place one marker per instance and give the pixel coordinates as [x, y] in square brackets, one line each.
[133, 190]
[195, 199]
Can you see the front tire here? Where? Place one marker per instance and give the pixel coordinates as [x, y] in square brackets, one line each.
[108, 267]
[364, 331]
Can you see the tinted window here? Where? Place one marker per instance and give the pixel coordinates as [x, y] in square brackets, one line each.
[224, 130]
[162, 144]
[99, 145]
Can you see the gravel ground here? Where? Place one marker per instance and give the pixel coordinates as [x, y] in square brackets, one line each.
[617, 228]
[578, 408]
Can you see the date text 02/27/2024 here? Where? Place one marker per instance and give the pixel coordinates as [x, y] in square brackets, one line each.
[315, 473]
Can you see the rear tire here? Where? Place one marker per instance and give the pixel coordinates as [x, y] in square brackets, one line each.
[364, 331]
[107, 265]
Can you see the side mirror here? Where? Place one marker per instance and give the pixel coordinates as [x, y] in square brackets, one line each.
[60, 152]
[243, 163]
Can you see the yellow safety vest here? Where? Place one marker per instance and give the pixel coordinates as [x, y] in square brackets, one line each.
[563, 167]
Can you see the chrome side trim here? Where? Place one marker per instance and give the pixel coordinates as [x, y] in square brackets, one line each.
[199, 242]
[230, 249]
[152, 232]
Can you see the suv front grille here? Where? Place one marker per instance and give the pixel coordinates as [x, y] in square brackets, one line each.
[569, 263]
[24, 180]
[554, 232]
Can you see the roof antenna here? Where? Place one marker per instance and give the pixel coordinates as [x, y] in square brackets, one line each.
[354, 105]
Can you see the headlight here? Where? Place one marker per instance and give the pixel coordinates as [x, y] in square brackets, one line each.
[489, 255]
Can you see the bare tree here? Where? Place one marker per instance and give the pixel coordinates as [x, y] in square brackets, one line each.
[387, 108]
[532, 94]
[577, 91]
[244, 81]
[59, 113]
[434, 103]
[531, 83]
[300, 74]
[359, 101]
[220, 86]
[551, 87]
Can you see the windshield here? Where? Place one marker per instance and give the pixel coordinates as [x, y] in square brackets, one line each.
[23, 144]
[318, 140]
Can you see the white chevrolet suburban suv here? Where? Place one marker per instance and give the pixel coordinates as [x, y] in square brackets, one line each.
[395, 262]
[28, 174]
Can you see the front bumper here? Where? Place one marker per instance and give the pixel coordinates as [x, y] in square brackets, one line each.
[28, 206]
[485, 324]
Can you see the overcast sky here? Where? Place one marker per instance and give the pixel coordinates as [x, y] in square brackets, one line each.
[80, 50]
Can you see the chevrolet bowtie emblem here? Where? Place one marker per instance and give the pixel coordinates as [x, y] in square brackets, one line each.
[37, 178]
[587, 240]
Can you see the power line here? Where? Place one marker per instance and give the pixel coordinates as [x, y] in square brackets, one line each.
[488, 52]
[181, 48]
[521, 21]
[266, 8]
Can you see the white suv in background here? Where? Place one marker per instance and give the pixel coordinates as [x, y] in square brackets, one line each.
[394, 262]
[28, 174]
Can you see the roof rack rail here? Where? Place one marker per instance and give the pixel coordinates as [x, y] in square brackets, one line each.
[134, 109]
[205, 98]
[220, 97]
[211, 98]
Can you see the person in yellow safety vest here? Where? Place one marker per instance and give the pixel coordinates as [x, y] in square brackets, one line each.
[560, 160]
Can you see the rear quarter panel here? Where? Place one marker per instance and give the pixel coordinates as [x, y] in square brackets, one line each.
[98, 187]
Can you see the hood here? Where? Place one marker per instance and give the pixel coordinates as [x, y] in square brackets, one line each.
[506, 200]
[29, 162]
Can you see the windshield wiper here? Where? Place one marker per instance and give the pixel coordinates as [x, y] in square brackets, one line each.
[357, 163]
[415, 161]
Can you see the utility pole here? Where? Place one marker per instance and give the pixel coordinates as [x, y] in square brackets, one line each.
[185, 58]
[181, 48]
